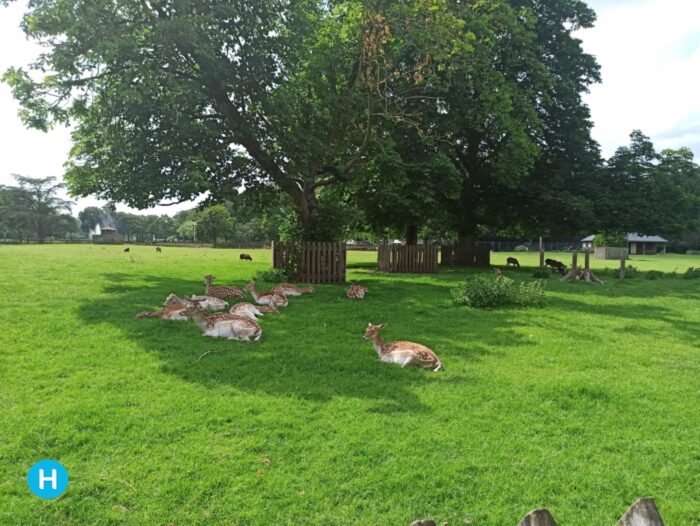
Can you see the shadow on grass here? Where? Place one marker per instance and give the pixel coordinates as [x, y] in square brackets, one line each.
[313, 349]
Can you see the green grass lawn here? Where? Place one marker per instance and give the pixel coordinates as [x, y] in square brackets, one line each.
[581, 406]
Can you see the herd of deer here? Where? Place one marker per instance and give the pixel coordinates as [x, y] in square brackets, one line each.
[241, 321]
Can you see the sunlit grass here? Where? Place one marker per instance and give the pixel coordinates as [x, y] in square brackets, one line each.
[581, 406]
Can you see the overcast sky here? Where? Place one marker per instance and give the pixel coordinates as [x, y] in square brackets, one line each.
[649, 52]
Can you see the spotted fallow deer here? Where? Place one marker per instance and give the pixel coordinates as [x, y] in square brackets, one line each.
[270, 298]
[224, 324]
[292, 290]
[222, 291]
[247, 310]
[210, 302]
[172, 309]
[400, 352]
[356, 292]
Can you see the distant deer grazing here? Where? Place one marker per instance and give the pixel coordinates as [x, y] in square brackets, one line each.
[246, 256]
[512, 261]
[292, 290]
[159, 250]
[222, 291]
[555, 265]
[400, 352]
[356, 292]
[270, 298]
[224, 325]
[126, 249]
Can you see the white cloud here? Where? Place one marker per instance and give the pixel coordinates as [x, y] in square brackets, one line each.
[649, 52]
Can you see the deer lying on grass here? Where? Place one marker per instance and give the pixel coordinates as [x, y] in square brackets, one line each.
[210, 302]
[223, 324]
[356, 292]
[249, 310]
[270, 298]
[400, 352]
[223, 291]
[172, 309]
[292, 290]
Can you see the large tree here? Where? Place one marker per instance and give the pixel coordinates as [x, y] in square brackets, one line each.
[32, 208]
[174, 98]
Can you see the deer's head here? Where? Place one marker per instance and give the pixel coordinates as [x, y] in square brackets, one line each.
[209, 278]
[372, 331]
[249, 286]
[193, 310]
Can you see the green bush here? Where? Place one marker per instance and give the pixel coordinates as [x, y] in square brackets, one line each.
[487, 292]
[541, 273]
[610, 240]
[692, 273]
[274, 275]
[630, 272]
[654, 274]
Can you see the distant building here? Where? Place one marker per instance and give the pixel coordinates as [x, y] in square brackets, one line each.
[647, 245]
[106, 235]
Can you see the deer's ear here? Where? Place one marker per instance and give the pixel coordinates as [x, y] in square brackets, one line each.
[381, 325]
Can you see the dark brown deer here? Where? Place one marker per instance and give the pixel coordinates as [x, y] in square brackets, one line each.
[158, 249]
[555, 265]
[512, 261]
[126, 249]
[246, 256]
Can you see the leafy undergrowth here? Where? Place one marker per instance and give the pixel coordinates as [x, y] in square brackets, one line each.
[581, 406]
[486, 292]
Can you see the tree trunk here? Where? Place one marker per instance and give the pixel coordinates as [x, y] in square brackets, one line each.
[467, 221]
[306, 205]
[411, 234]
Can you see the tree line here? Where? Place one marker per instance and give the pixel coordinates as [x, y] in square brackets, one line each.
[428, 118]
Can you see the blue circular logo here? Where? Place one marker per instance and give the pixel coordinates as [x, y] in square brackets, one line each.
[47, 479]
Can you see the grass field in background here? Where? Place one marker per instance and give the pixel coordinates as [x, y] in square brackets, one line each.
[582, 406]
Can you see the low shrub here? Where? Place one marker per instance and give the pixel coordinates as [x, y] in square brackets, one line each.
[541, 273]
[654, 274]
[486, 292]
[630, 272]
[692, 273]
[274, 275]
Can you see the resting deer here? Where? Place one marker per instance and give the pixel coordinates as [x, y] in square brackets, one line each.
[400, 352]
[270, 298]
[356, 292]
[172, 309]
[223, 291]
[247, 310]
[223, 324]
[210, 302]
[292, 290]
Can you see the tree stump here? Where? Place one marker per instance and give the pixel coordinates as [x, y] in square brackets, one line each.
[642, 513]
[538, 518]
[586, 274]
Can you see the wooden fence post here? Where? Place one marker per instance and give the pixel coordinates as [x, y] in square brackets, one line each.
[622, 266]
[541, 254]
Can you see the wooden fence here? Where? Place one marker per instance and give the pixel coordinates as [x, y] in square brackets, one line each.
[641, 513]
[407, 258]
[611, 252]
[465, 256]
[316, 262]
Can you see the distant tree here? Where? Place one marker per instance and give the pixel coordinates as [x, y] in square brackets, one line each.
[215, 222]
[90, 217]
[187, 230]
[32, 208]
